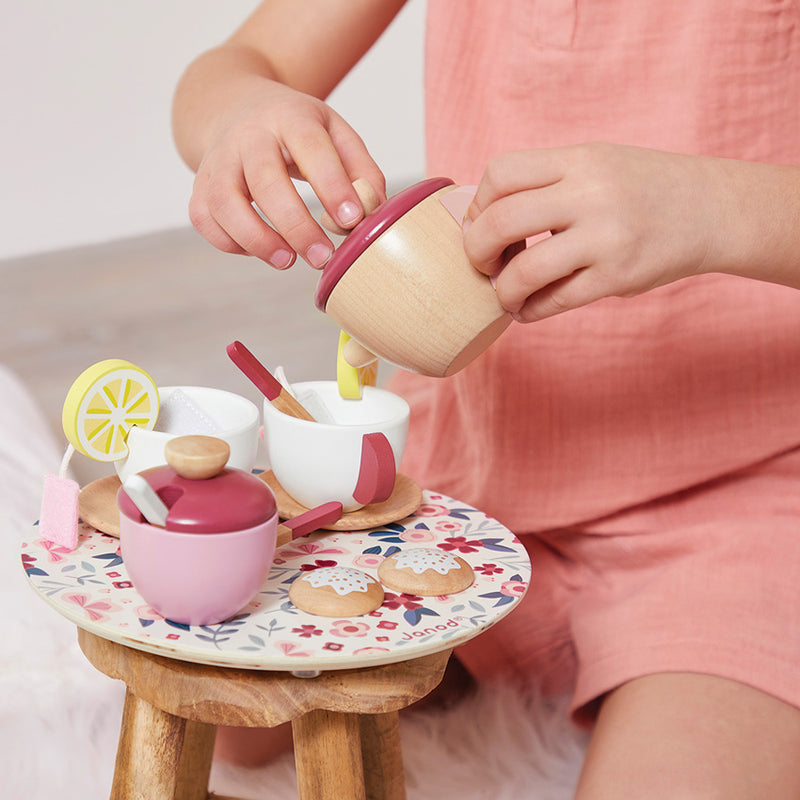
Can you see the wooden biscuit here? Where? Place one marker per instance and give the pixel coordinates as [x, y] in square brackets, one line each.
[336, 592]
[428, 572]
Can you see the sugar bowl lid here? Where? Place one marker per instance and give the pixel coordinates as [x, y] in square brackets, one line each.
[202, 494]
[369, 229]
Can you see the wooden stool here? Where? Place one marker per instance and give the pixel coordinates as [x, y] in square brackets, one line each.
[344, 722]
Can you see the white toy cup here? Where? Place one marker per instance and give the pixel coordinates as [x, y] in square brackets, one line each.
[352, 459]
[235, 417]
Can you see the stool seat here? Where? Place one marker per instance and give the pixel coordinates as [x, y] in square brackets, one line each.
[344, 722]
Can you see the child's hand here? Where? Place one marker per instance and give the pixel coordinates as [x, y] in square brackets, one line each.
[272, 134]
[623, 219]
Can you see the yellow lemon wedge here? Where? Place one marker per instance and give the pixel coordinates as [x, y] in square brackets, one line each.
[102, 405]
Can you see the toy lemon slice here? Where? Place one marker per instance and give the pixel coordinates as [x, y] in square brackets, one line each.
[102, 405]
[349, 377]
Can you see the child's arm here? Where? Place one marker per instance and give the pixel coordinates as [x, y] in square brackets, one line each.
[248, 116]
[628, 219]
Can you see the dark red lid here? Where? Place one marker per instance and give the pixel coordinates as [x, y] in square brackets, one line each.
[231, 501]
[369, 229]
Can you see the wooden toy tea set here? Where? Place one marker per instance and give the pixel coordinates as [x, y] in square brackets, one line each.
[182, 498]
[190, 574]
[401, 288]
[202, 539]
[178, 499]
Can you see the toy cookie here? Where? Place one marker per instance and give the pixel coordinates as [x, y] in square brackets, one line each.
[336, 592]
[428, 572]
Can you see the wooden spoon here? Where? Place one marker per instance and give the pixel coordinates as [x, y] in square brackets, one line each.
[266, 382]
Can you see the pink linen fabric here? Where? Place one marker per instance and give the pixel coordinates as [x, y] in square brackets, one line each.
[618, 405]
[628, 399]
[703, 581]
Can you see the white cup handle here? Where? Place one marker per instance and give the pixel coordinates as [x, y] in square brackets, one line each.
[377, 471]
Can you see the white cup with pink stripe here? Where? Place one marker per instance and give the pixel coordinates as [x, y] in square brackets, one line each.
[350, 454]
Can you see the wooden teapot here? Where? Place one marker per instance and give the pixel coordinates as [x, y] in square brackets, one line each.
[400, 284]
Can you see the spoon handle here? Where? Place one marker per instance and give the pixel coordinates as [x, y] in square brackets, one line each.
[144, 497]
[308, 522]
[266, 382]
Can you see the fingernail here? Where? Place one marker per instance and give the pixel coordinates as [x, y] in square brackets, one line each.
[465, 224]
[318, 254]
[348, 213]
[470, 214]
[281, 259]
[517, 317]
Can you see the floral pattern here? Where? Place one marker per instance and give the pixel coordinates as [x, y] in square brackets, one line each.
[90, 586]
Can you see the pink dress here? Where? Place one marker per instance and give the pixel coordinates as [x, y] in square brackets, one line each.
[590, 416]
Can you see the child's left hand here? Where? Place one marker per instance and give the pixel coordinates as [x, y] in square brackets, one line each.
[623, 220]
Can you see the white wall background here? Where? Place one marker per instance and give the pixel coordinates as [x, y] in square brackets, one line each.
[86, 153]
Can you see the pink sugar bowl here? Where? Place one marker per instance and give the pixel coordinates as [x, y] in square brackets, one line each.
[206, 544]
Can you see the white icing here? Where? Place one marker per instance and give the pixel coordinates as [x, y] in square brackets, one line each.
[342, 580]
[420, 559]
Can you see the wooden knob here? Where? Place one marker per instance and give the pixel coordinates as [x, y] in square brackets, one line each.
[356, 355]
[197, 457]
[369, 202]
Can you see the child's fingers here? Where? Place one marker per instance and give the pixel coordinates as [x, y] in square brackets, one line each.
[355, 157]
[514, 172]
[255, 168]
[212, 231]
[368, 198]
[203, 220]
[539, 266]
[573, 291]
[272, 190]
[321, 165]
[332, 159]
[226, 200]
[514, 218]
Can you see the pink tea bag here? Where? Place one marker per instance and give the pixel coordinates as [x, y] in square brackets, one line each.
[58, 520]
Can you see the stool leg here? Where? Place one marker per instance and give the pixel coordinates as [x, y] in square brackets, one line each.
[382, 756]
[327, 753]
[194, 768]
[154, 759]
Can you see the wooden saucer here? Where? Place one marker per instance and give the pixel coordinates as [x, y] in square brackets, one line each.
[406, 499]
[97, 504]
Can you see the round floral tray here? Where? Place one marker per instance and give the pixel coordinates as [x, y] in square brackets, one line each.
[90, 586]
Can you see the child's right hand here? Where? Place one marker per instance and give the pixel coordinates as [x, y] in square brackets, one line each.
[248, 116]
[272, 134]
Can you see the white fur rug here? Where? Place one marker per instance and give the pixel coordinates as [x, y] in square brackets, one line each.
[59, 718]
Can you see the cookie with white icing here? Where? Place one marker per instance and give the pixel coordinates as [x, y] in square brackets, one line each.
[336, 592]
[428, 572]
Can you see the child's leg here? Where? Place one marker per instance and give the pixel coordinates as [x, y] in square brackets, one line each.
[252, 747]
[683, 736]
